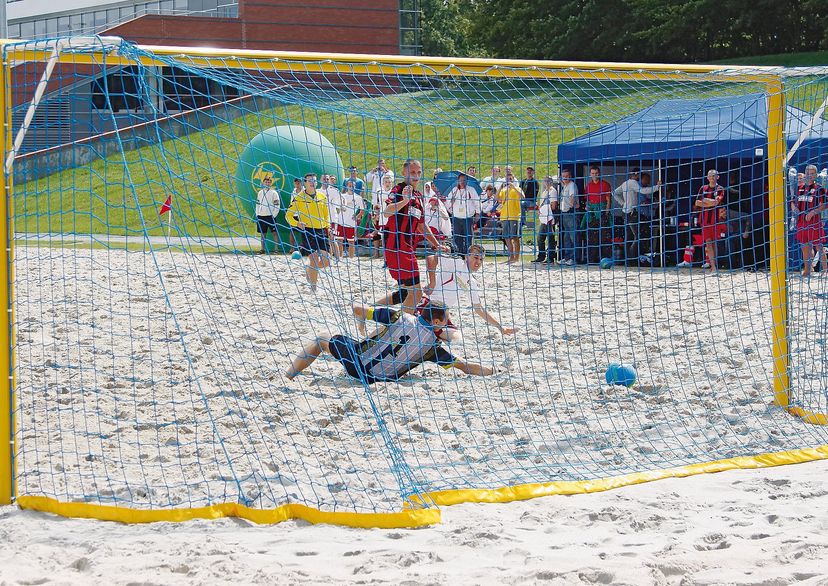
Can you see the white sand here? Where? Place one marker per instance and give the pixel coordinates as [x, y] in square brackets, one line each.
[157, 380]
[742, 527]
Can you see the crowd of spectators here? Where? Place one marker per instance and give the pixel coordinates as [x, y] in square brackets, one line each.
[637, 223]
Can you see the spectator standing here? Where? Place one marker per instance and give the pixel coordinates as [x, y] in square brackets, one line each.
[546, 218]
[378, 211]
[471, 171]
[351, 213]
[463, 202]
[495, 180]
[267, 208]
[569, 205]
[359, 186]
[530, 189]
[646, 218]
[374, 177]
[334, 197]
[509, 197]
[598, 210]
[629, 194]
[709, 201]
[810, 233]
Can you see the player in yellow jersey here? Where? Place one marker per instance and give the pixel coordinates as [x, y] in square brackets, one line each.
[308, 212]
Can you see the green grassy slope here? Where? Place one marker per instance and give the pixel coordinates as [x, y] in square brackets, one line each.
[477, 124]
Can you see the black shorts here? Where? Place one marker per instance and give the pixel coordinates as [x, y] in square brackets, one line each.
[265, 223]
[344, 349]
[314, 239]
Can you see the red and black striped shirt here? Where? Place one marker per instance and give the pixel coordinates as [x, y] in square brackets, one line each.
[403, 231]
[710, 216]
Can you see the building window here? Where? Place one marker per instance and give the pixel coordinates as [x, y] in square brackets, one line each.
[410, 41]
[122, 88]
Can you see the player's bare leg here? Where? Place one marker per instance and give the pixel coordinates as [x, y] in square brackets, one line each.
[307, 357]
[807, 252]
[710, 249]
[318, 260]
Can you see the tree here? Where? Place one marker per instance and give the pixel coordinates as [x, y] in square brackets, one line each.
[446, 29]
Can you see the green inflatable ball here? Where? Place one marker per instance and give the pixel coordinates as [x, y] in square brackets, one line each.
[283, 153]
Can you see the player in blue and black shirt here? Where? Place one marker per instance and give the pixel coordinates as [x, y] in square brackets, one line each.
[405, 342]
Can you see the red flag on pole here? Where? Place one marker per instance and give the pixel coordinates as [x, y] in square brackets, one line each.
[166, 206]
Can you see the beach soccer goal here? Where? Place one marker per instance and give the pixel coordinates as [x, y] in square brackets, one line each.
[180, 233]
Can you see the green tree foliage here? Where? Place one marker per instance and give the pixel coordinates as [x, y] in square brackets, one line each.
[647, 30]
[447, 29]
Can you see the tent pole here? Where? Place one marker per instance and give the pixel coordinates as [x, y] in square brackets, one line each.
[660, 218]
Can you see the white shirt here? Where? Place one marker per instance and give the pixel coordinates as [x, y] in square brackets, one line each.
[545, 210]
[267, 202]
[498, 183]
[352, 204]
[294, 193]
[379, 204]
[569, 191]
[452, 277]
[334, 197]
[373, 181]
[438, 219]
[626, 194]
[463, 202]
[488, 204]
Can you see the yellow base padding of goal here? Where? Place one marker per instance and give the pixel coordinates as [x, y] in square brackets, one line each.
[528, 491]
[405, 518]
[414, 517]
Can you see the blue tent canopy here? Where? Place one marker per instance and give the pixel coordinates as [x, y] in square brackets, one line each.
[699, 129]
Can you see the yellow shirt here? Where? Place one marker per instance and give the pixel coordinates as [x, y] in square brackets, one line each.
[311, 210]
[509, 197]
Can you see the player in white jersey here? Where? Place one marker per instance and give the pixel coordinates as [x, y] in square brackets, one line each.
[404, 342]
[449, 277]
[351, 210]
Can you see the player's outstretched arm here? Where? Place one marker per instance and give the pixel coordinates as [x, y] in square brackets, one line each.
[492, 320]
[472, 368]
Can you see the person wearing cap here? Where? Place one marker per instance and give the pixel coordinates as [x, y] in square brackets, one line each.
[267, 208]
[405, 342]
[628, 194]
[709, 201]
[463, 201]
[530, 188]
[359, 186]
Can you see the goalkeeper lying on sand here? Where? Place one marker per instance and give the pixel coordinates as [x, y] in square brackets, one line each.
[405, 342]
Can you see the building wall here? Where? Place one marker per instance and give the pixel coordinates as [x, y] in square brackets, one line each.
[343, 26]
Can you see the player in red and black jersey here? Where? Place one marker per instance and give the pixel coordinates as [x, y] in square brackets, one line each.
[811, 199]
[709, 202]
[405, 229]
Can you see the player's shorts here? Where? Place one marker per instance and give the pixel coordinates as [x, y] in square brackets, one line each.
[810, 232]
[315, 239]
[510, 228]
[403, 267]
[713, 233]
[345, 232]
[265, 223]
[344, 349]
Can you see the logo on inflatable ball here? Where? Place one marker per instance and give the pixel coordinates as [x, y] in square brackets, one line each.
[621, 374]
[265, 170]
